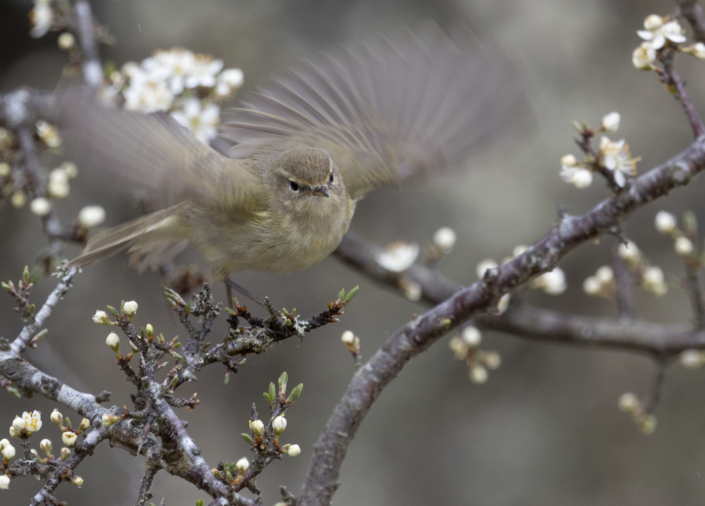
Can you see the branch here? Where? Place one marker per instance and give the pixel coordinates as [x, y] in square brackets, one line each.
[419, 334]
[91, 67]
[691, 11]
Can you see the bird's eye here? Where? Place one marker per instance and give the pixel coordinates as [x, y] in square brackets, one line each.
[294, 186]
[330, 179]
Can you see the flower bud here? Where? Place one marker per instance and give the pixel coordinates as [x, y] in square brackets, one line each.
[69, 438]
[17, 200]
[478, 374]
[46, 446]
[57, 418]
[629, 403]
[257, 428]
[485, 265]
[665, 222]
[78, 481]
[471, 337]
[40, 206]
[113, 342]
[3, 443]
[18, 424]
[130, 308]
[242, 465]
[692, 359]
[279, 424]
[4, 482]
[91, 216]
[85, 423]
[683, 246]
[445, 238]
[293, 450]
[348, 338]
[101, 318]
[66, 41]
[569, 161]
[629, 252]
[698, 50]
[610, 123]
[65, 452]
[8, 453]
[109, 419]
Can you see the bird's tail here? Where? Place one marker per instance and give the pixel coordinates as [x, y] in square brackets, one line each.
[152, 238]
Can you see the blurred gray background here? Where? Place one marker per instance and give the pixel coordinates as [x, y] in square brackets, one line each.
[545, 429]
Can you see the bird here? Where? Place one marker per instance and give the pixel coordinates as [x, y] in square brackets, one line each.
[306, 148]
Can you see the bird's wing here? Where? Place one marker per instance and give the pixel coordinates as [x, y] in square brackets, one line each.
[155, 151]
[386, 110]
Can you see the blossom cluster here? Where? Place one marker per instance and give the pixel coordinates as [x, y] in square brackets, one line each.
[466, 347]
[613, 158]
[177, 81]
[658, 34]
[649, 277]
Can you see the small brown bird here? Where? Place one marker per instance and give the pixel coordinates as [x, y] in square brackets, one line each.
[307, 149]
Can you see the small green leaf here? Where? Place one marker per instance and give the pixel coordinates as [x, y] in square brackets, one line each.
[272, 392]
[347, 298]
[341, 294]
[199, 502]
[247, 438]
[112, 310]
[283, 380]
[227, 379]
[295, 393]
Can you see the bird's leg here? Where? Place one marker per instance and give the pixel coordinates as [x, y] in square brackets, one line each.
[230, 284]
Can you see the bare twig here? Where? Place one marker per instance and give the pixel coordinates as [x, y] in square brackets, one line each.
[693, 12]
[29, 331]
[91, 67]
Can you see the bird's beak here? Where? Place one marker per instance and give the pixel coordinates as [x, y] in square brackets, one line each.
[321, 191]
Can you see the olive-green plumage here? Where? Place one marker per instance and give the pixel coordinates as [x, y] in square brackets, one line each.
[307, 149]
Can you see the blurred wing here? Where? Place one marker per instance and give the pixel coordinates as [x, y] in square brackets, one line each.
[155, 151]
[385, 111]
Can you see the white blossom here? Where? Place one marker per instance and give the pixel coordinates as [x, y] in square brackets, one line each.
[91, 216]
[69, 438]
[32, 420]
[42, 18]
[229, 80]
[57, 418]
[616, 157]
[665, 222]
[202, 121]
[18, 424]
[58, 186]
[171, 67]
[644, 56]
[4, 482]
[203, 72]
[657, 32]
[398, 256]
